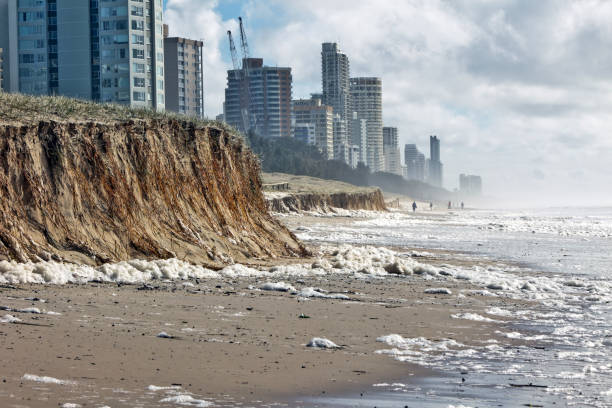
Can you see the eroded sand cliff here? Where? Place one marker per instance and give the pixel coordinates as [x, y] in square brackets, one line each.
[96, 191]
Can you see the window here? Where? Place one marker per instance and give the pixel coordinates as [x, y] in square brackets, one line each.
[160, 84]
[160, 57]
[30, 30]
[138, 25]
[136, 53]
[139, 82]
[26, 58]
[137, 11]
[139, 96]
[137, 39]
[31, 3]
[120, 39]
[160, 71]
[31, 15]
[122, 52]
[107, 83]
[138, 68]
[28, 44]
[114, 11]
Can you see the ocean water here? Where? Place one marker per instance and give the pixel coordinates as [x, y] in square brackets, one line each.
[560, 258]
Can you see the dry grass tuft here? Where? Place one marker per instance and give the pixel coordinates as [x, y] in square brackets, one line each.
[23, 109]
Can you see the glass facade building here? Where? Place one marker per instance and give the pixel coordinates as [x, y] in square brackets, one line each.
[103, 50]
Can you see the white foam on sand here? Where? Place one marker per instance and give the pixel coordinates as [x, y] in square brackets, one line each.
[496, 311]
[473, 316]
[9, 319]
[46, 380]
[278, 286]
[71, 405]
[343, 259]
[316, 293]
[163, 388]
[187, 400]
[322, 343]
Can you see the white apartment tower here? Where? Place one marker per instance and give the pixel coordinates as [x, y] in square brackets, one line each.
[391, 151]
[313, 112]
[366, 100]
[335, 76]
[359, 139]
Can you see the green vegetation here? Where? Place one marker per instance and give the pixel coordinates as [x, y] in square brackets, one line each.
[292, 156]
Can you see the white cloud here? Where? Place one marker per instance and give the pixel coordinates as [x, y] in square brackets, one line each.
[197, 19]
[513, 88]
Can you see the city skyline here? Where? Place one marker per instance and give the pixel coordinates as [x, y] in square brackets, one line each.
[480, 75]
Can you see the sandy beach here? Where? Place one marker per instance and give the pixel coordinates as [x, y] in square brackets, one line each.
[229, 341]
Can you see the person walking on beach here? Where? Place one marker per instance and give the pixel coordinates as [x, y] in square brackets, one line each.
[462, 205]
[414, 206]
[449, 205]
[430, 206]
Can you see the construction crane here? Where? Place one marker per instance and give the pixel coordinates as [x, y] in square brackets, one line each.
[238, 75]
[252, 118]
[243, 39]
[233, 50]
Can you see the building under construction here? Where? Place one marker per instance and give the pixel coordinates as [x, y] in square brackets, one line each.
[257, 98]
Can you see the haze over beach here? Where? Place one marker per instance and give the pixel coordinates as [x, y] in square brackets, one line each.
[517, 90]
[305, 203]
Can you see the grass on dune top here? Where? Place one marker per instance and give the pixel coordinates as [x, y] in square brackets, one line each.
[23, 109]
[307, 184]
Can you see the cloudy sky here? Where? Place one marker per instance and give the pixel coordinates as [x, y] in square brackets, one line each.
[519, 91]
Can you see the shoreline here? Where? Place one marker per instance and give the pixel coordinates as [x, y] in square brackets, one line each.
[113, 322]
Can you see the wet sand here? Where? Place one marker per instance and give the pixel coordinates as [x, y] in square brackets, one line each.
[232, 342]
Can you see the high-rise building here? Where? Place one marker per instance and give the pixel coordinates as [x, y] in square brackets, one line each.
[335, 76]
[341, 143]
[415, 163]
[183, 76]
[1, 70]
[359, 136]
[313, 112]
[470, 184]
[391, 151]
[434, 148]
[435, 165]
[305, 132]
[259, 98]
[8, 43]
[390, 136]
[366, 100]
[419, 167]
[131, 45]
[109, 51]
